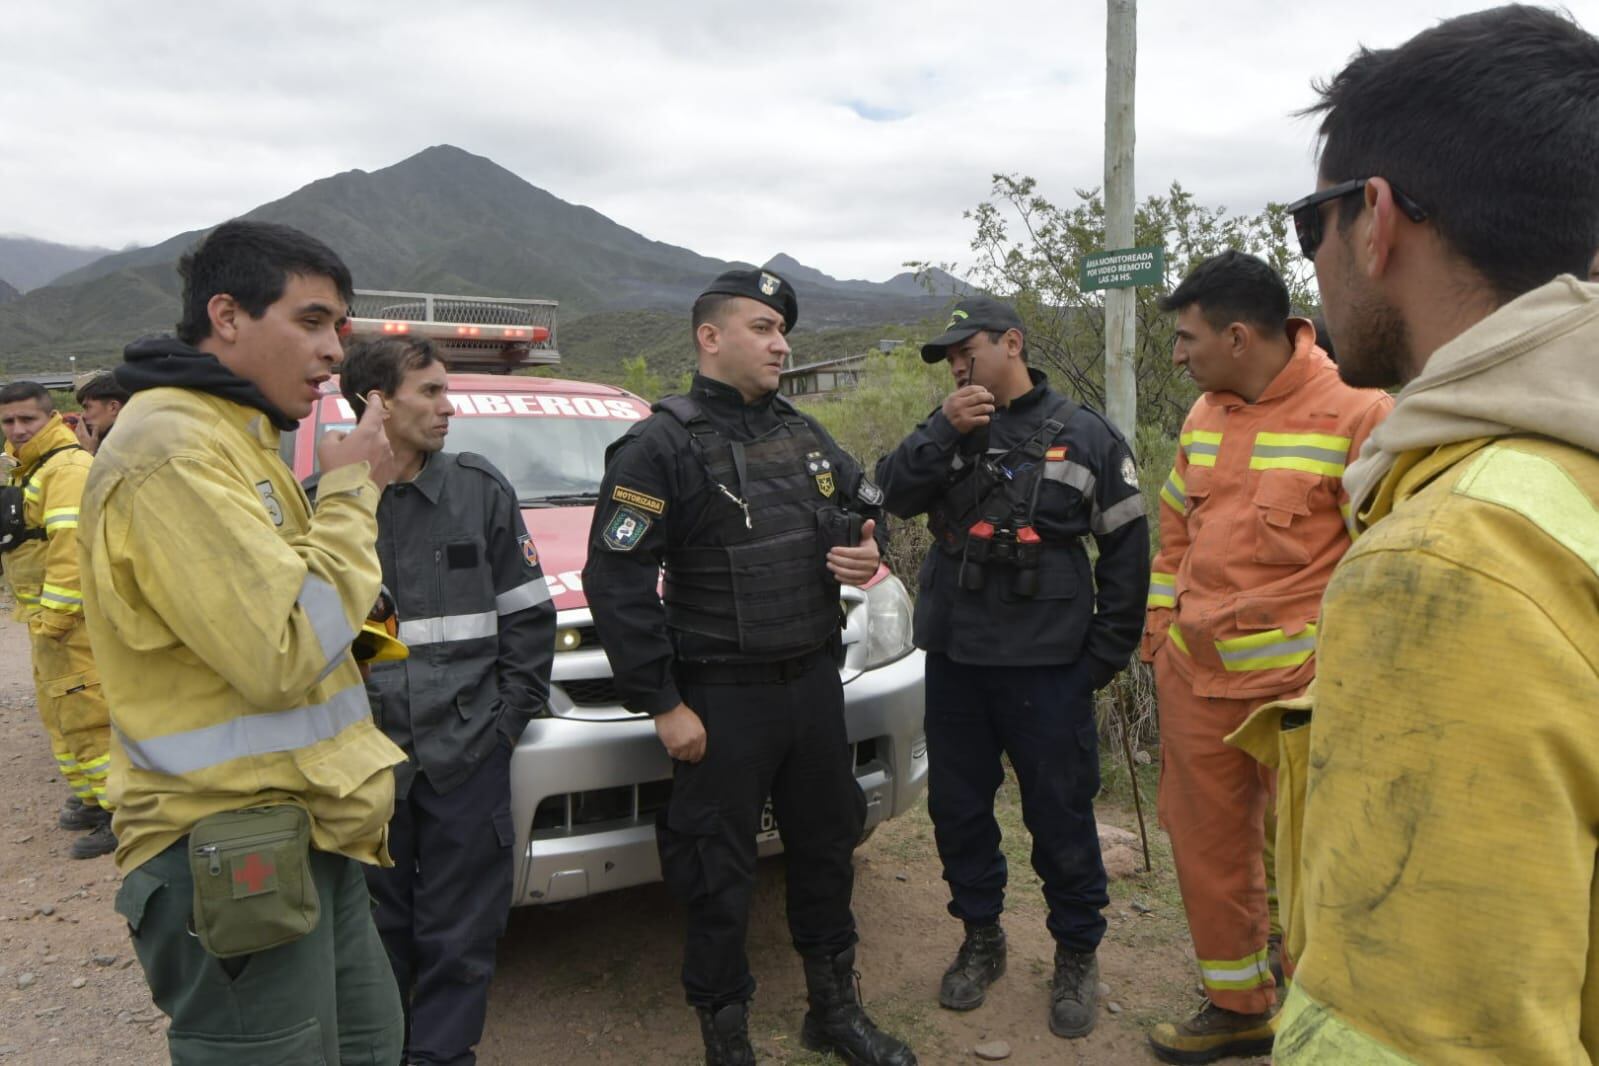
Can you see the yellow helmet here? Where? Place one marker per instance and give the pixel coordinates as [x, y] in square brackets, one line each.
[379, 641]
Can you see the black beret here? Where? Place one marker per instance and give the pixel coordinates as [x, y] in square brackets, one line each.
[761, 285]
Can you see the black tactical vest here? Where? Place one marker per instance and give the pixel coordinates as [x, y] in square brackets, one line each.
[985, 515]
[753, 571]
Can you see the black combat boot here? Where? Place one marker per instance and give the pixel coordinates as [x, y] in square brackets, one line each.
[978, 964]
[837, 1023]
[76, 814]
[1074, 993]
[727, 1036]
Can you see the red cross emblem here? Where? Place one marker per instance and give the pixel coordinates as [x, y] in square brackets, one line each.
[254, 876]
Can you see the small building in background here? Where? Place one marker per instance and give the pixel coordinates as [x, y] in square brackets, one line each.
[828, 376]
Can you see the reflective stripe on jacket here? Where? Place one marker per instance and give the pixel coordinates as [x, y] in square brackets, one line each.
[43, 574]
[222, 611]
[1452, 804]
[1252, 522]
[476, 612]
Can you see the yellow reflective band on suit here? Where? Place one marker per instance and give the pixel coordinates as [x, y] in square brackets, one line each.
[27, 598]
[1311, 453]
[62, 599]
[1236, 974]
[1309, 1034]
[1162, 590]
[1175, 635]
[1175, 492]
[61, 518]
[1201, 446]
[248, 734]
[1541, 492]
[33, 492]
[97, 768]
[67, 762]
[1269, 650]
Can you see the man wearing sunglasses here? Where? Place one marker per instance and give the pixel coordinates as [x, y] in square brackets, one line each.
[1452, 803]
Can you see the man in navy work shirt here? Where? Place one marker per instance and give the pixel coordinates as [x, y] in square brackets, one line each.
[476, 613]
[1012, 476]
[756, 516]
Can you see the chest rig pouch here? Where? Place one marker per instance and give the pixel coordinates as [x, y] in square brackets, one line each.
[985, 517]
[14, 528]
[752, 570]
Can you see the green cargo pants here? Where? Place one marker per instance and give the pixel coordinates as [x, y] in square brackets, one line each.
[327, 999]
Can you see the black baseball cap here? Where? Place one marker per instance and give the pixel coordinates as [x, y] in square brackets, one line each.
[762, 285]
[973, 315]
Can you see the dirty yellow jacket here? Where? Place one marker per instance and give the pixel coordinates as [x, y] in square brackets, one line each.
[221, 611]
[1451, 821]
[43, 574]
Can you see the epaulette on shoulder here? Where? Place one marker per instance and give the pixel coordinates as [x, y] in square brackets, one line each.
[474, 461]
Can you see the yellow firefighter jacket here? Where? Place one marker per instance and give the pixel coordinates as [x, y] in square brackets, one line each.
[1451, 825]
[43, 574]
[222, 610]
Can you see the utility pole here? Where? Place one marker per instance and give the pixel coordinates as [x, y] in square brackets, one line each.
[1121, 69]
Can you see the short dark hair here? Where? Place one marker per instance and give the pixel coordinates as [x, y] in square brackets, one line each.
[251, 261]
[102, 387]
[1490, 121]
[381, 364]
[18, 391]
[1233, 287]
[709, 308]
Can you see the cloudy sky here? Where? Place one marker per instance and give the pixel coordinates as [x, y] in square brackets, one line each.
[851, 135]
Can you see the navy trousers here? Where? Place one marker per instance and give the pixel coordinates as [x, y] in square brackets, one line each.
[1042, 718]
[785, 741]
[443, 905]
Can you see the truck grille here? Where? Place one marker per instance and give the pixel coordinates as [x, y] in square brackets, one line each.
[574, 813]
[591, 691]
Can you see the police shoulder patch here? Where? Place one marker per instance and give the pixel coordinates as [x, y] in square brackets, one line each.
[868, 493]
[642, 500]
[626, 529]
[530, 551]
[1130, 471]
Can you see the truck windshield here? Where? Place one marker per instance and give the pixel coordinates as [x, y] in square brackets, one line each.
[551, 462]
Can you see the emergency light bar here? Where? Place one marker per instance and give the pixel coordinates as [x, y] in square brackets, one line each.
[469, 332]
[448, 331]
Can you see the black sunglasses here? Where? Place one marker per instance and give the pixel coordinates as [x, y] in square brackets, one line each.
[1307, 216]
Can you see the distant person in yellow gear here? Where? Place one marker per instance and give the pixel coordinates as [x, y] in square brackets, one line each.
[40, 554]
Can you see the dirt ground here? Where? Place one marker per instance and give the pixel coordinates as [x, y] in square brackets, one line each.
[593, 981]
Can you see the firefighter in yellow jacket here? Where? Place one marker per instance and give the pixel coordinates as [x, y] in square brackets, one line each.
[41, 566]
[248, 778]
[1451, 823]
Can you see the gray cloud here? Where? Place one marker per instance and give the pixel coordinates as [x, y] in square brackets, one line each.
[851, 136]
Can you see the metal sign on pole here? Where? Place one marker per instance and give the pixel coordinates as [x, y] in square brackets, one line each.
[1121, 64]
[1123, 268]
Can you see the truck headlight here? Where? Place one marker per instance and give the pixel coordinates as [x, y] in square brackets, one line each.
[888, 623]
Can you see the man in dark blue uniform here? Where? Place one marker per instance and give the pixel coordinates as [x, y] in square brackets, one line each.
[1018, 634]
[476, 613]
[756, 516]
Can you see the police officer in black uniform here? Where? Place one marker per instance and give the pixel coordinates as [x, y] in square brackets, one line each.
[756, 516]
[1012, 476]
[475, 610]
